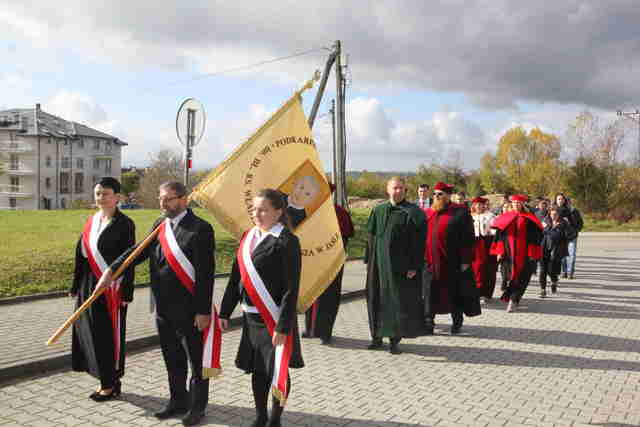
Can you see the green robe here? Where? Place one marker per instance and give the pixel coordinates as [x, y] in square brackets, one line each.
[396, 245]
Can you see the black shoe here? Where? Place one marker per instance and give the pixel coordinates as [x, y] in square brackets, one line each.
[192, 418]
[326, 341]
[305, 334]
[99, 397]
[428, 330]
[554, 288]
[571, 276]
[375, 345]
[564, 275]
[260, 422]
[274, 423]
[395, 349]
[171, 410]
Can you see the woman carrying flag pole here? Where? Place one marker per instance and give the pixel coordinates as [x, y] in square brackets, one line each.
[99, 334]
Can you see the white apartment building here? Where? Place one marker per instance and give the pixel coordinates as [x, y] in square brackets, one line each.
[47, 162]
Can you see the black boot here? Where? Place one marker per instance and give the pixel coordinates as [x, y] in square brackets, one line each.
[276, 413]
[260, 386]
[457, 323]
[394, 349]
[376, 344]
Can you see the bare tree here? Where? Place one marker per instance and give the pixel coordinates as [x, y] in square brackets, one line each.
[166, 165]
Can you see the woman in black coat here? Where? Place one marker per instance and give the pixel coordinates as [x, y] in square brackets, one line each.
[98, 342]
[274, 253]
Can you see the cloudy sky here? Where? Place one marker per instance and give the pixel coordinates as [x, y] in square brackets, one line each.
[427, 79]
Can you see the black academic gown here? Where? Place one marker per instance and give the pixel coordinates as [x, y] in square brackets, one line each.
[92, 347]
[278, 262]
[396, 245]
[321, 316]
[176, 307]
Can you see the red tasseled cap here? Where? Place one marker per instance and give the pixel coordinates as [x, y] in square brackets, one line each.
[519, 198]
[441, 186]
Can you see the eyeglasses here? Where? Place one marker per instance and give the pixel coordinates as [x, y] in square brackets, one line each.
[168, 199]
[438, 194]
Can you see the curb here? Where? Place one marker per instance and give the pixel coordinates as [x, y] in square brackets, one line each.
[63, 361]
[59, 294]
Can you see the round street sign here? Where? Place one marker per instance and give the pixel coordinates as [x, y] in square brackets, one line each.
[190, 122]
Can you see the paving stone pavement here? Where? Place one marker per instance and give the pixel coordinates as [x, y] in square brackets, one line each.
[568, 360]
[26, 326]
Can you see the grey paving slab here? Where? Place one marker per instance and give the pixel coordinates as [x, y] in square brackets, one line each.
[569, 360]
[26, 326]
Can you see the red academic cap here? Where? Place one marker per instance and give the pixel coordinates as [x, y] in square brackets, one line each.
[519, 198]
[441, 186]
[479, 200]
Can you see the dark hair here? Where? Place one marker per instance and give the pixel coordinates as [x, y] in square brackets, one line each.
[175, 186]
[109, 182]
[278, 200]
[424, 186]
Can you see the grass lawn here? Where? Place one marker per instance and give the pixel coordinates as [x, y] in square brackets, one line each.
[37, 247]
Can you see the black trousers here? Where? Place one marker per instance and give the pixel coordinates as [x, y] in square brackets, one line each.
[182, 346]
[321, 316]
[428, 297]
[550, 267]
[516, 288]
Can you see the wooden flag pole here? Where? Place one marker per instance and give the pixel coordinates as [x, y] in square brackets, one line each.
[85, 305]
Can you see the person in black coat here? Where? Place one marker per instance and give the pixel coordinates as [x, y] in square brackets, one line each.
[275, 254]
[554, 248]
[98, 340]
[182, 306]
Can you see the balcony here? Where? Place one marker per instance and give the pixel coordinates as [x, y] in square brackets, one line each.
[18, 168]
[16, 191]
[15, 147]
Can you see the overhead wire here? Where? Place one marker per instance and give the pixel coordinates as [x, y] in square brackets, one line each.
[246, 67]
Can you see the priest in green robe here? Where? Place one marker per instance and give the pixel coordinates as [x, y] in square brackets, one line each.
[394, 258]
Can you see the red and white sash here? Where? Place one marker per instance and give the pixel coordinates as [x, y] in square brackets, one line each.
[270, 313]
[182, 267]
[98, 265]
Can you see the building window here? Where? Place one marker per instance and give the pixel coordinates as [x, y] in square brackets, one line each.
[14, 162]
[14, 184]
[47, 161]
[47, 183]
[96, 163]
[80, 163]
[79, 182]
[81, 143]
[96, 144]
[64, 182]
[107, 166]
[66, 163]
[12, 202]
[108, 147]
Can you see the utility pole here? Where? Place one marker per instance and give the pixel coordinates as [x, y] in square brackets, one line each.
[635, 116]
[332, 111]
[340, 181]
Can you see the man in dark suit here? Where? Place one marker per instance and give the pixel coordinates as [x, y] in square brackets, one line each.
[423, 201]
[182, 267]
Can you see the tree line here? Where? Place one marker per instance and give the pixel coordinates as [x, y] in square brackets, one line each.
[585, 164]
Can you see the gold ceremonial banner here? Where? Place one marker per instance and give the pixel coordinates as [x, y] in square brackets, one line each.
[281, 154]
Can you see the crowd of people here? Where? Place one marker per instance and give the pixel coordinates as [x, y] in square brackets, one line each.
[439, 254]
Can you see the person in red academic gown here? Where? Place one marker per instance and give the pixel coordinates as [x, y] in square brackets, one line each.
[517, 242]
[321, 316]
[448, 258]
[484, 264]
